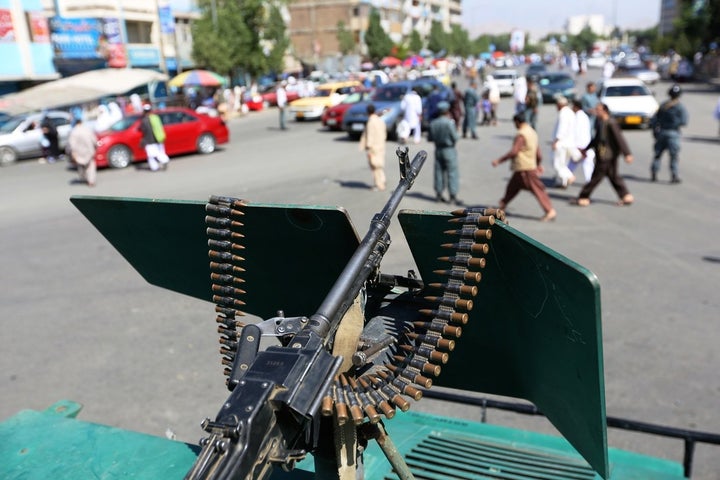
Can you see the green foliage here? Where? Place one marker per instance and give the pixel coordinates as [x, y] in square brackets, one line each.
[346, 41]
[483, 42]
[218, 45]
[416, 43]
[437, 39]
[379, 43]
[697, 26]
[275, 35]
[583, 41]
[459, 41]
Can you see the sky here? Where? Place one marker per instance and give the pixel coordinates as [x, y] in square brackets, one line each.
[540, 17]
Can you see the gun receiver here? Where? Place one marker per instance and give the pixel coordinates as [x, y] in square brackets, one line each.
[272, 416]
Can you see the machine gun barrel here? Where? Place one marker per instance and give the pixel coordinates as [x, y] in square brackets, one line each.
[365, 259]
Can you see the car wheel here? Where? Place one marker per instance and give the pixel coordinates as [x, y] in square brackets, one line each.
[206, 143]
[119, 156]
[354, 135]
[7, 155]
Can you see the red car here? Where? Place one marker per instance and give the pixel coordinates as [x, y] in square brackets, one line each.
[332, 117]
[267, 97]
[186, 130]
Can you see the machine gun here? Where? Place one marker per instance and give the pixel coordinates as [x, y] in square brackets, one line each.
[273, 414]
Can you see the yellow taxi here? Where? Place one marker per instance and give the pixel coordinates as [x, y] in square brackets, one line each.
[326, 95]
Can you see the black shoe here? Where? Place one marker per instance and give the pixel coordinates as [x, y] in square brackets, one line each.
[675, 179]
[653, 177]
[456, 201]
[440, 199]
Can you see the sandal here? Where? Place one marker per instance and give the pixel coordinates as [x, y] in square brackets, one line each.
[581, 202]
[626, 200]
[549, 216]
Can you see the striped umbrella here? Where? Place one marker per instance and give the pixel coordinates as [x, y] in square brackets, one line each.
[204, 78]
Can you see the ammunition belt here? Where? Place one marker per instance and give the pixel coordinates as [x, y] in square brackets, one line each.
[421, 351]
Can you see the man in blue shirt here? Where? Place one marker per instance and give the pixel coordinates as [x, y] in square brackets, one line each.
[666, 129]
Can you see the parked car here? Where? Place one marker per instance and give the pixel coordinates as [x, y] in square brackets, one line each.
[267, 97]
[554, 84]
[332, 117]
[630, 101]
[648, 76]
[4, 117]
[186, 131]
[20, 136]
[387, 99]
[327, 95]
[505, 80]
[596, 60]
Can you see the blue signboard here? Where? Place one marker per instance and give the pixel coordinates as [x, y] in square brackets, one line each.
[143, 56]
[75, 38]
[167, 22]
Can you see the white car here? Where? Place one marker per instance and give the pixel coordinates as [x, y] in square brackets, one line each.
[20, 136]
[630, 101]
[505, 80]
[596, 60]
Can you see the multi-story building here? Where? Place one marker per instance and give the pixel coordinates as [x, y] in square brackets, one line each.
[313, 24]
[45, 39]
[596, 22]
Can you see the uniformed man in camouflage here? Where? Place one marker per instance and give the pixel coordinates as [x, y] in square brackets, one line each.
[445, 136]
[666, 129]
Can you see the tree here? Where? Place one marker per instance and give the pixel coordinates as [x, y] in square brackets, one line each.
[583, 41]
[459, 41]
[275, 35]
[379, 43]
[346, 41]
[415, 44]
[437, 39]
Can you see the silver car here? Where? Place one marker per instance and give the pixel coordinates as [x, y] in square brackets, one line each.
[20, 136]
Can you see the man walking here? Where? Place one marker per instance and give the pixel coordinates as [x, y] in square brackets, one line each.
[83, 143]
[445, 136]
[563, 142]
[589, 102]
[470, 102]
[608, 143]
[583, 136]
[373, 143]
[153, 138]
[411, 105]
[533, 100]
[666, 128]
[281, 99]
[526, 157]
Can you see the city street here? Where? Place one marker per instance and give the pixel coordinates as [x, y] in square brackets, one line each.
[79, 323]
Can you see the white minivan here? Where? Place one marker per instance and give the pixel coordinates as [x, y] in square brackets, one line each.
[505, 79]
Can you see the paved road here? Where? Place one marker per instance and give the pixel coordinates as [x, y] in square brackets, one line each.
[78, 323]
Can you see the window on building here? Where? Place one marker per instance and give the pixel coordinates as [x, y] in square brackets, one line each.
[138, 32]
[356, 12]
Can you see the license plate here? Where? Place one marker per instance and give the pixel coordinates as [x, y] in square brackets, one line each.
[633, 120]
[358, 127]
[332, 121]
[299, 115]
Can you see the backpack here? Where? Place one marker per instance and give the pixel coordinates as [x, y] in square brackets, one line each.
[157, 128]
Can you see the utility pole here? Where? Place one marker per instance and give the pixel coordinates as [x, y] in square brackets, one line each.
[163, 63]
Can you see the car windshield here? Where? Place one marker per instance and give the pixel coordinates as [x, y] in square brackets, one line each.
[556, 80]
[626, 91]
[323, 92]
[389, 93]
[11, 124]
[354, 97]
[503, 76]
[123, 124]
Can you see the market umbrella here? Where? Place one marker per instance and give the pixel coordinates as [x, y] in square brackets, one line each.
[413, 61]
[204, 78]
[390, 62]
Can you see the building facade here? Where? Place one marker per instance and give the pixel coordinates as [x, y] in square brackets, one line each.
[669, 11]
[313, 25]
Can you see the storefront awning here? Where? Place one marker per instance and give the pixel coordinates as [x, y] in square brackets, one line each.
[78, 89]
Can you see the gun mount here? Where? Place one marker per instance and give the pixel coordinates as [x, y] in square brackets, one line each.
[524, 317]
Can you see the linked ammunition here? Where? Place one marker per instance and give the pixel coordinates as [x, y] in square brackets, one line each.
[435, 340]
[470, 231]
[401, 385]
[226, 279]
[327, 403]
[227, 290]
[219, 222]
[446, 314]
[460, 274]
[228, 312]
[377, 398]
[227, 301]
[467, 246]
[225, 256]
[225, 268]
[427, 352]
[458, 288]
[420, 363]
[225, 245]
[367, 405]
[231, 344]
[223, 211]
[340, 404]
[475, 219]
[465, 260]
[391, 393]
[231, 334]
[411, 375]
[355, 411]
[440, 328]
[224, 234]
[451, 301]
[229, 201]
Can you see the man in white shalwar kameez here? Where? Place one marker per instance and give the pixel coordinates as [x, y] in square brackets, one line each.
[583, 136]
[563, 142]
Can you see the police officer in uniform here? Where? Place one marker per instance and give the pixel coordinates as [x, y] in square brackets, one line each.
[445, 136]
[666, 129]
